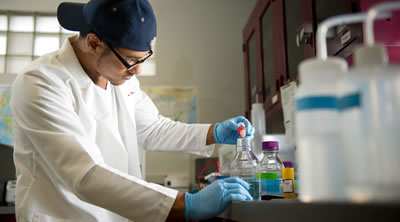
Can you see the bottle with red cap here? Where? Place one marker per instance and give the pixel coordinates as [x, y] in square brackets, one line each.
[271, 171]
[245, 166]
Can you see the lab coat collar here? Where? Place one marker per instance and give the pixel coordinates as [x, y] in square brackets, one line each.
[71, 62]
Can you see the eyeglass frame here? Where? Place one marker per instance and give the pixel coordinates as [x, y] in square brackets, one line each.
[124, 62]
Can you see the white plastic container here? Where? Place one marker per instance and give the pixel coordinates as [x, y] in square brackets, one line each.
[357, 92]
[258, 122]
[387, 128]
[370, 110]
[318, 138]
[319, 155]
[387, 121]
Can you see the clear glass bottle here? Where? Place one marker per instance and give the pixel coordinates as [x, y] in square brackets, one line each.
[271, 171]
[245, 166]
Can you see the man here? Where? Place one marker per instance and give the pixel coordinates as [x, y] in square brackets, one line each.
[80, 115]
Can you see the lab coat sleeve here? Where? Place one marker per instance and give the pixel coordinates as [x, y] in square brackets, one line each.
[44, 110]
[156, 132]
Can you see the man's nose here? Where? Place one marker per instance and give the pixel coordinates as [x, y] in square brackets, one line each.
[136, 70]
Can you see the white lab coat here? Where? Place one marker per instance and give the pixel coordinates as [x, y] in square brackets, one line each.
[76, 145]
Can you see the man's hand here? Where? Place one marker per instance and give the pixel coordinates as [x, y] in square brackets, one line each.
[226, 132]
[214, 198]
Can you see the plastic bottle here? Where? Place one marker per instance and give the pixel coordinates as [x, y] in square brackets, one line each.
[245, 166]
[288, 180]
[290, 164]
[370, 104]
[359, 141]
[271, 171]
[319, 157]
[318, 139]
[258, 122]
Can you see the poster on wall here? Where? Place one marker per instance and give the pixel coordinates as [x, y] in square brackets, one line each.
[6, 122]
[179, 104]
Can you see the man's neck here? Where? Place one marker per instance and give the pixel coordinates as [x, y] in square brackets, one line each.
[87, 61]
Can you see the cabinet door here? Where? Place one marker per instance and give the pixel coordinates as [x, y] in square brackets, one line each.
[341, 39]
[251, 46]
[250, 70]
[264, 51]
[272, 54]
[295, 39]
[268, 61]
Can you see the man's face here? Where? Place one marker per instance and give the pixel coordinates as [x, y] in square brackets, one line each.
[111, 68]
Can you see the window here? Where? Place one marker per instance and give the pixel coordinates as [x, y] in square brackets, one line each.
[26, 36]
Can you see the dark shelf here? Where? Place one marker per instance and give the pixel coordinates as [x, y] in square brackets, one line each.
[7, 210]
[294, 210]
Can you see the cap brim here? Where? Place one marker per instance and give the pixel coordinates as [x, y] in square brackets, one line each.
[70, 16]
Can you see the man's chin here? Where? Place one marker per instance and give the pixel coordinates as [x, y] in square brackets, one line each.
[117, 83]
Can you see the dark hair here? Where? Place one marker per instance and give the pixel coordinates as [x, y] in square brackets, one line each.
[83, 34]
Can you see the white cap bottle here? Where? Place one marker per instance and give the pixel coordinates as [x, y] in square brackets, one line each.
[259, 124]
[319, 157]
[370, 108]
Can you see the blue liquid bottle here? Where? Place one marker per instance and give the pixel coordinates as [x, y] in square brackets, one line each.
[271, 171]
[245, 166]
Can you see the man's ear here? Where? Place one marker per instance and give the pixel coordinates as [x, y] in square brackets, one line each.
[94, 43]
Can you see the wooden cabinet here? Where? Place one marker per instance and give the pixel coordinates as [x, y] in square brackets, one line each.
[342, 40]
[279, 35]
[264, 56]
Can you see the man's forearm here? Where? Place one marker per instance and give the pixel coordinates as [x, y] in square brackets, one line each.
[210, 135]
[177, 212]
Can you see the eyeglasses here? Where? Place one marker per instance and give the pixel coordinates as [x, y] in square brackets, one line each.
[130, 63]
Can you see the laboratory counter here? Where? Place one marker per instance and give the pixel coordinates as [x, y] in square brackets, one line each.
[295, 211]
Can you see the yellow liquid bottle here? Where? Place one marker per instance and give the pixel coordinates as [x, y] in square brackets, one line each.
[289, 191]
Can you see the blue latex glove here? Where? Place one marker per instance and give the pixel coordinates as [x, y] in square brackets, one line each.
[226, 132]
[214, 198]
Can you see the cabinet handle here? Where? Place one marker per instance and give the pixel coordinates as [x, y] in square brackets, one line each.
[303, 38]
[277, 84]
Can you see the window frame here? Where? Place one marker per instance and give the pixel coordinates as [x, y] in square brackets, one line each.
[61, 34]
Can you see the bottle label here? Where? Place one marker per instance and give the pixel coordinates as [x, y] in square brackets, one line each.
[269, 176]
[350, 101]
[271, 184]
[288, 186]
[271, 187]
[316, 102]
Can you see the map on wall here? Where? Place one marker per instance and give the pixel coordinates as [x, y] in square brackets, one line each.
[6, 122]
[179, 104]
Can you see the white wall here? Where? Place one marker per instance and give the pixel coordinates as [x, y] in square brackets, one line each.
[199, 44]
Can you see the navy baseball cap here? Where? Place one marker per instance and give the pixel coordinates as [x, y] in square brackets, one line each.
[129, 24]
